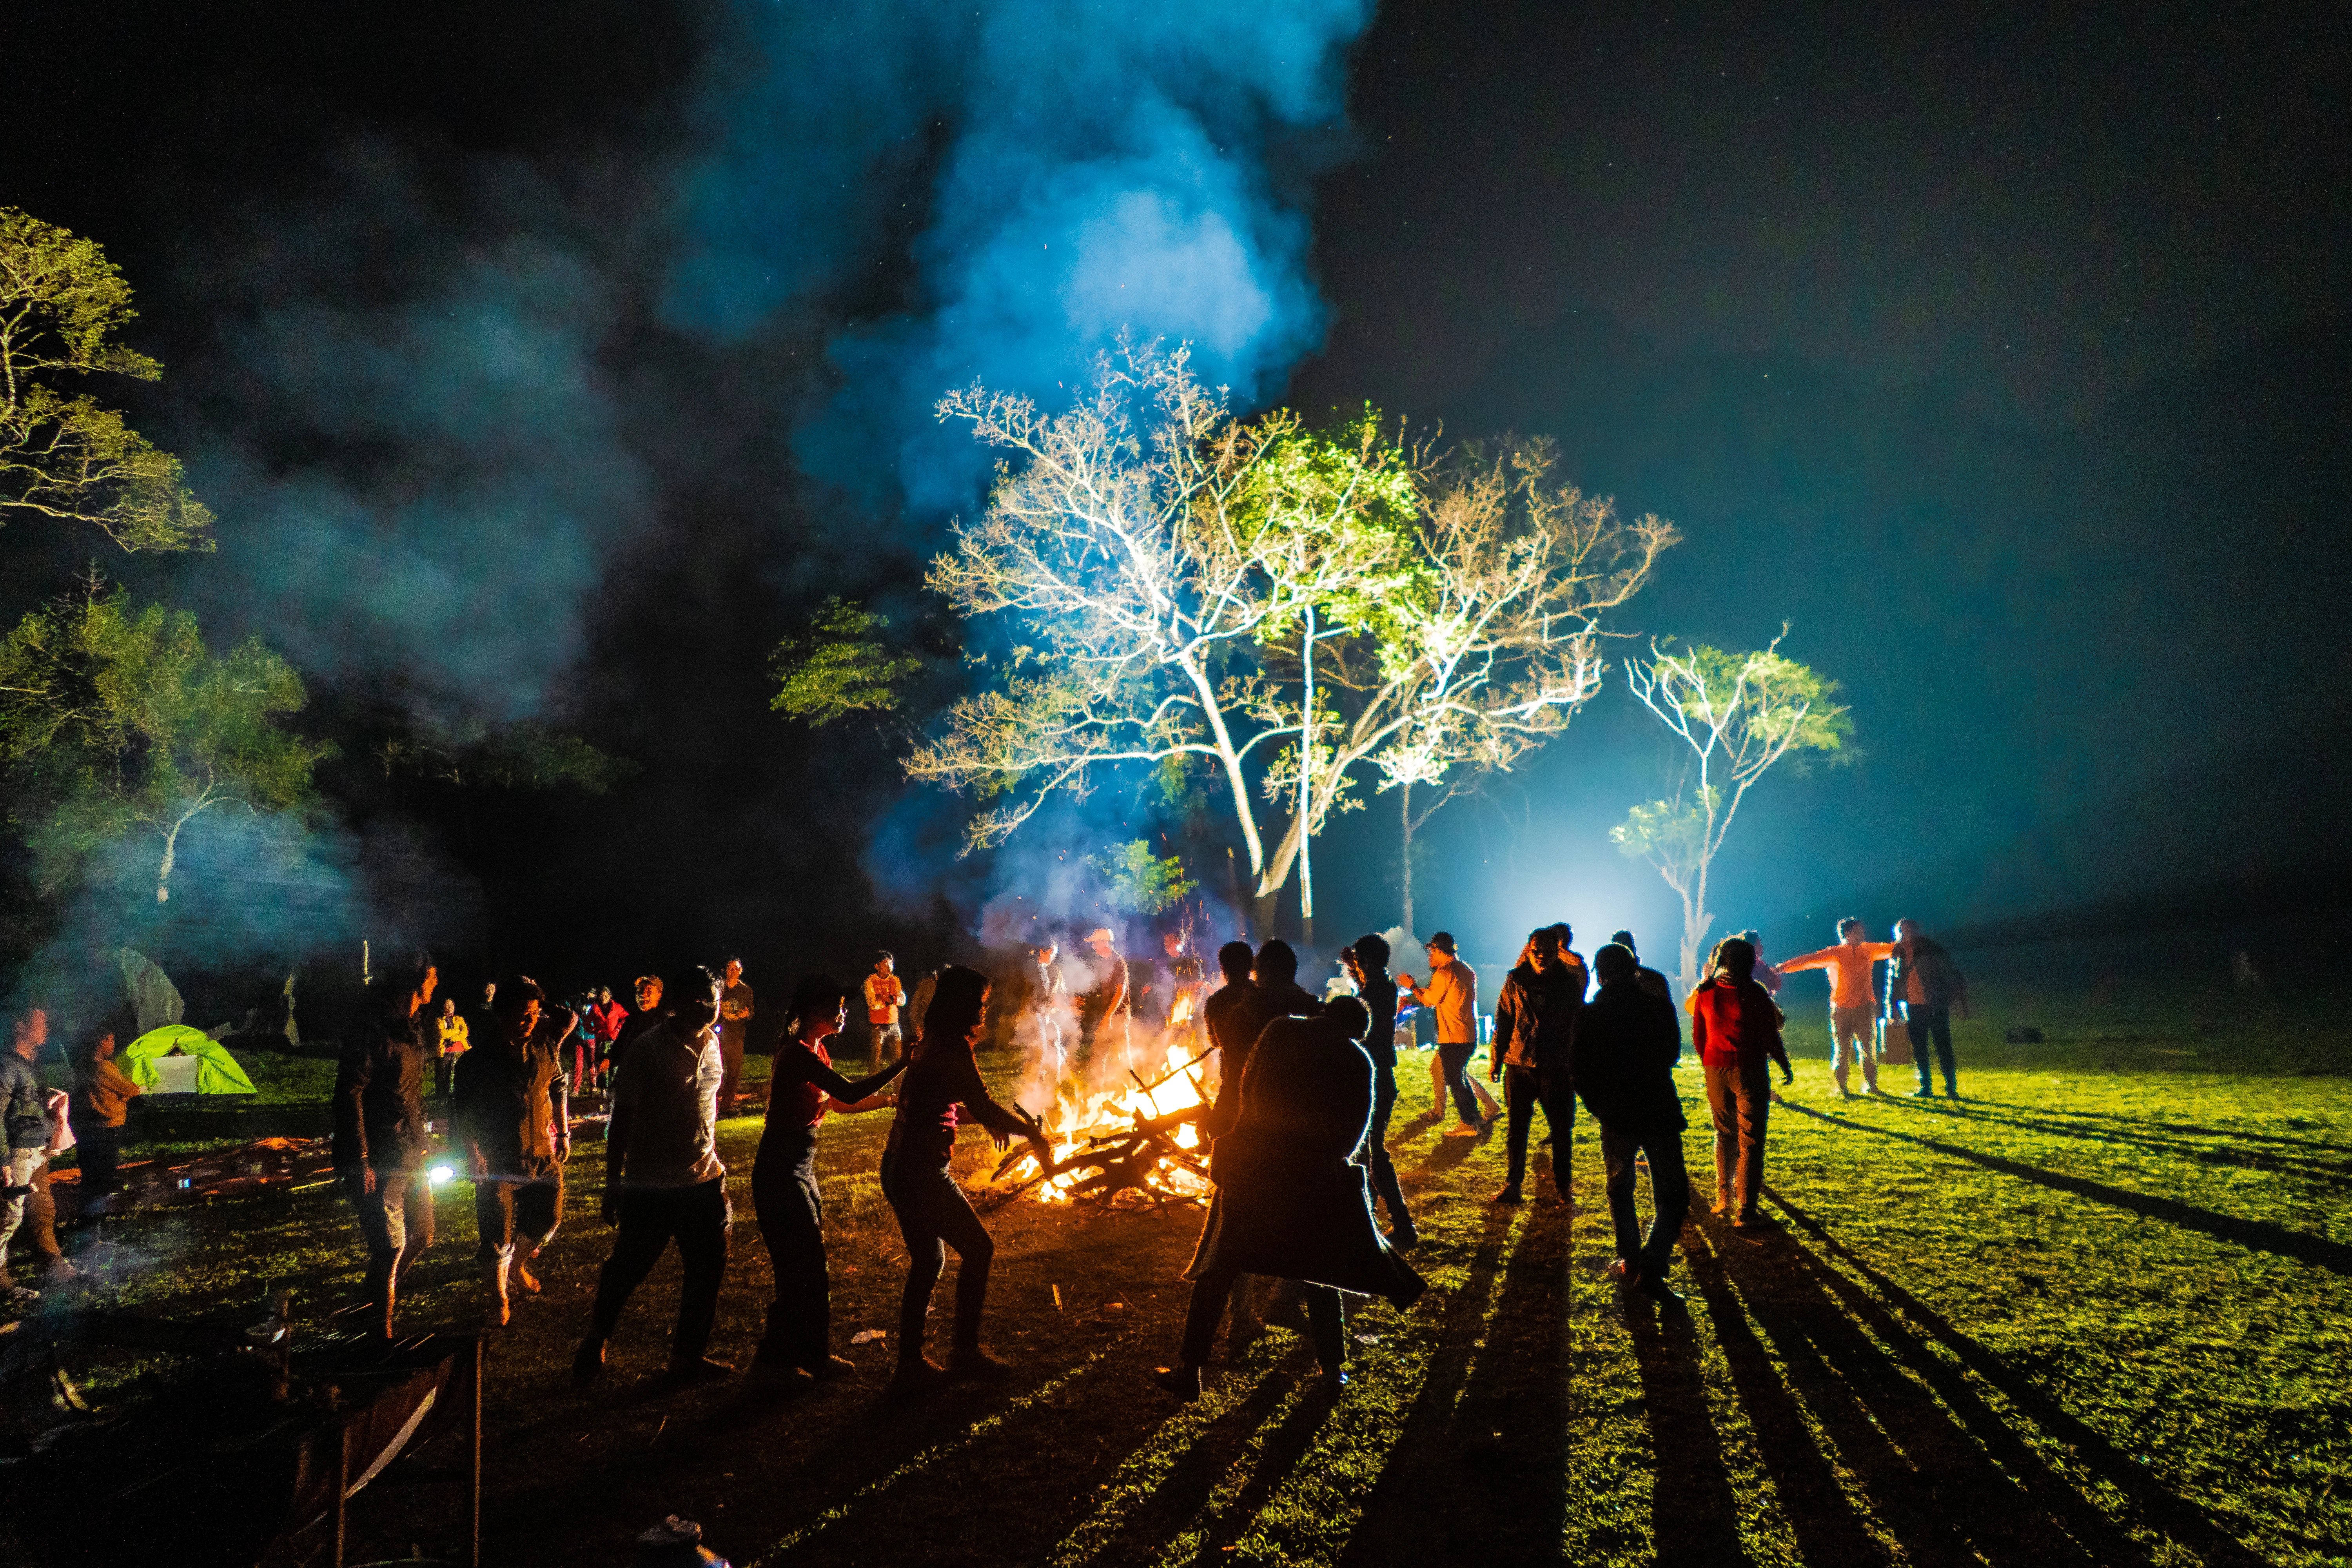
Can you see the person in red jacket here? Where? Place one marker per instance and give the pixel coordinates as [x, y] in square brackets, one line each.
[609, 1015]
[1736, 1028]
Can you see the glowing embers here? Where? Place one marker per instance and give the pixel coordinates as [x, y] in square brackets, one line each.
[1140, 1145]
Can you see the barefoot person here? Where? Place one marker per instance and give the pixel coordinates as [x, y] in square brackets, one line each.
[1853, 1000]
[1623, 1060]
[784, 1197]
[1293, 1196]
[1737, 1027]
[933, 1214]
[664, 1180]
[379, 1133]
[512, 1116]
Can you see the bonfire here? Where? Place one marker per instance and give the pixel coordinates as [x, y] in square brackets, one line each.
[1132, 1144]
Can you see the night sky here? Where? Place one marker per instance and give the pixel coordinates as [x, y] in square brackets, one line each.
[554, 360]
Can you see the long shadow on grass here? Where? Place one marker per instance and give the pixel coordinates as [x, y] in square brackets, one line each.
[1829, 1530]
[1693, 1515]
[2334, 1172]
[2198, 1129]
[1479, 1473]
[2185, 1522]
[2256, 1235]
[1405, 1517]
[1193, 1480]
[1929, 1481]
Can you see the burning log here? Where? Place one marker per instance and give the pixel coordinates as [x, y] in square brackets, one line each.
[1153, 1160]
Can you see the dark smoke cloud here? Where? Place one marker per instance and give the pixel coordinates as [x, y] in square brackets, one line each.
[432, 469]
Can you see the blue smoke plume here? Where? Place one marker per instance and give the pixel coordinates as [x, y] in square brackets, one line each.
[1063, 171]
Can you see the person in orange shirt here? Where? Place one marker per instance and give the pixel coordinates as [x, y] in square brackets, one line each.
[1853, 1000]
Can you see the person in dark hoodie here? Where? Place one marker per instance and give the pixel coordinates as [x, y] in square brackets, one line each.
[1223, 1012]
[1368, 964]
[1736, 1025]
[1925, 985]
[1649, 979]
[1274, 992]
[1622, 1059]
[1533, 1021]
[1292, 1198]
[380, 1130]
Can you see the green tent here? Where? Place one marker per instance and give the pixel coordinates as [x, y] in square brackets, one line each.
[217, 1070]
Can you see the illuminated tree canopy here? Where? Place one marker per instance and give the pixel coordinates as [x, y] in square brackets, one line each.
[1172, 583]
[115, 720]
[1739, 713]
[63, 455]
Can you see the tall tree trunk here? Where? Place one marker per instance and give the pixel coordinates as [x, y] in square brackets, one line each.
[1306, 788]
[1695, 920]
[1405, 861]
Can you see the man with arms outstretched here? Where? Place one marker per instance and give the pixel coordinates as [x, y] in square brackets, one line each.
[1853, 1000]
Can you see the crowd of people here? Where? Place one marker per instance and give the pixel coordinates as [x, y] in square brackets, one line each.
[1297, 1127]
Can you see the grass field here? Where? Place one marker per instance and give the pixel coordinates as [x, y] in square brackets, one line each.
[2099, 1311]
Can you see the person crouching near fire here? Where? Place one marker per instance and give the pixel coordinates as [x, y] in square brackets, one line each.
[798, 1346]
[1294, 1199]
[512, 1116]
[933, 1214]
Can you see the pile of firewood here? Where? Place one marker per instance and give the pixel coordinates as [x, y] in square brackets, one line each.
[1125, 1163]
